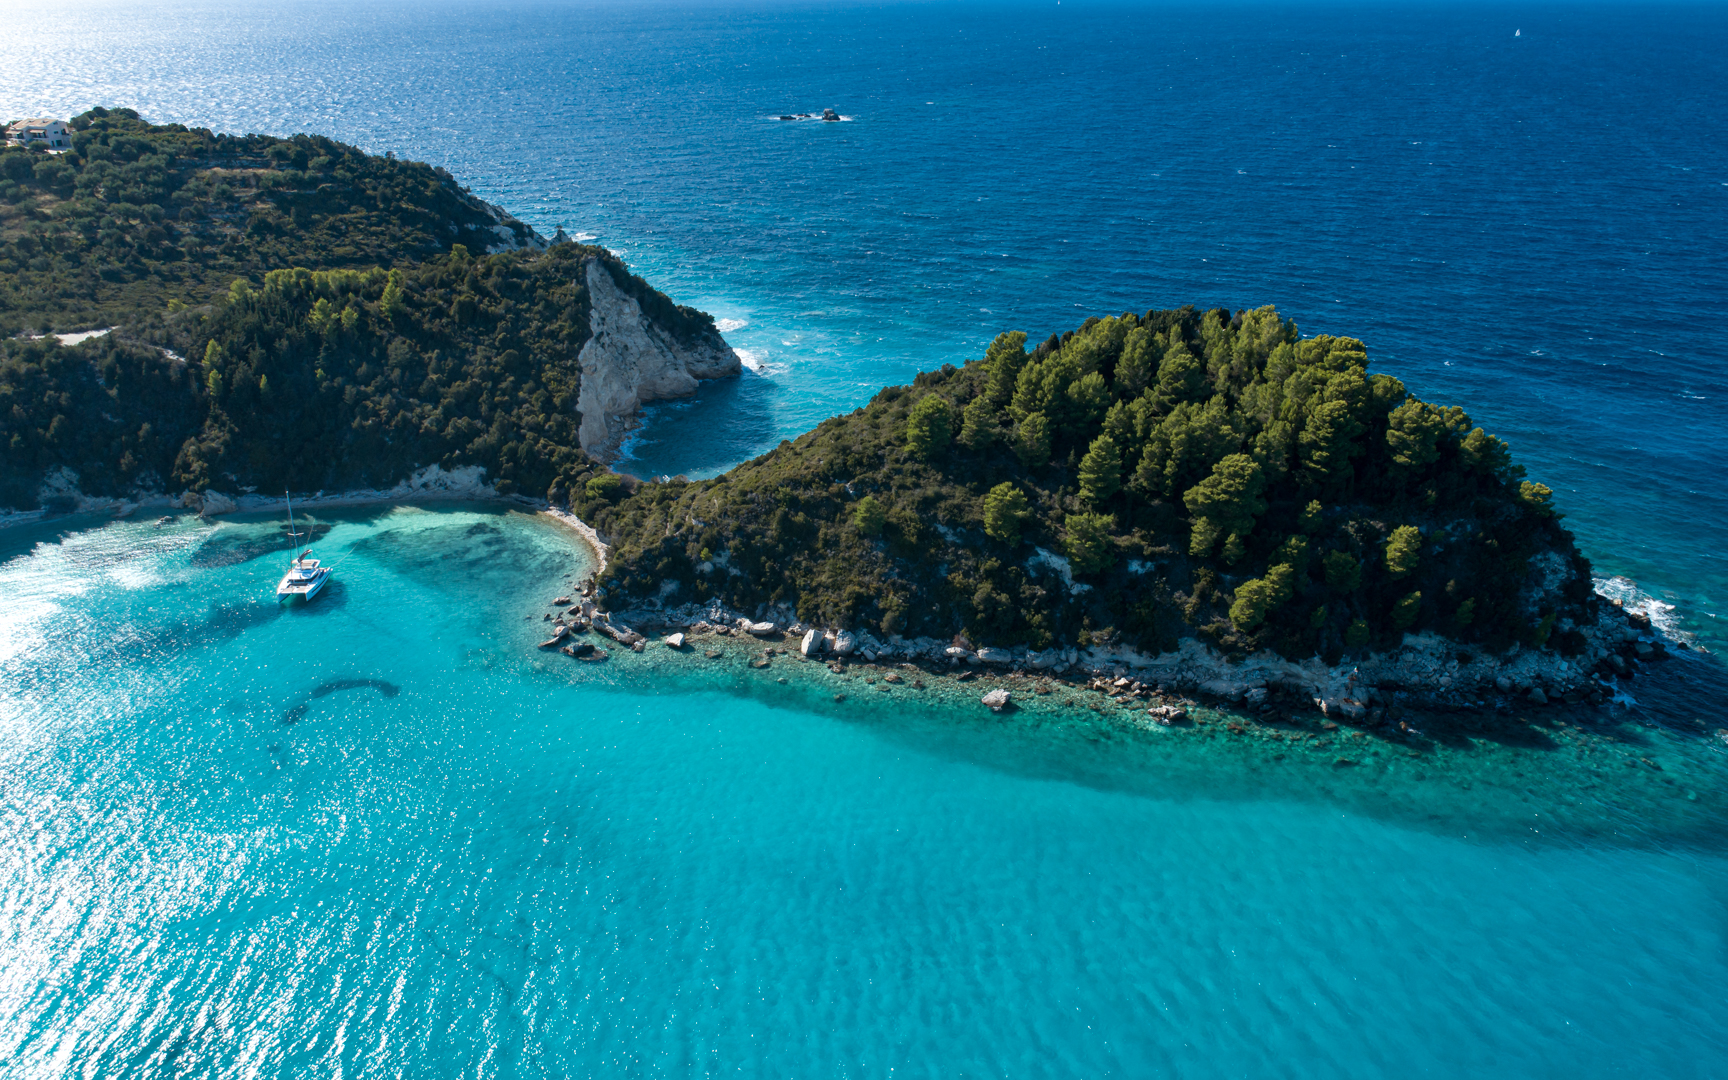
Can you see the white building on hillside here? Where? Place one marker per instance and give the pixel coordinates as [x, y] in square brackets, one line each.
[52, 134]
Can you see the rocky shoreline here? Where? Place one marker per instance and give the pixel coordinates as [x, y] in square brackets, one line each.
[1594, 760]
[1621, 773]
[1427, 674]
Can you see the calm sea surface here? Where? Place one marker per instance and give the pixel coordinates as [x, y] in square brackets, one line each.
[376, 837]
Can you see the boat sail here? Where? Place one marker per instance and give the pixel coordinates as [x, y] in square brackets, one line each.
[305, 576]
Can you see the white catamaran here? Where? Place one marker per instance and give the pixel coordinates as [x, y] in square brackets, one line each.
[304, 577]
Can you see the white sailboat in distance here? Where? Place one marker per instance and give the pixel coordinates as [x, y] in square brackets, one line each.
[304, 577]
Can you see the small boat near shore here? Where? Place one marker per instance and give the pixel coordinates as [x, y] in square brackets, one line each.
[305, 576]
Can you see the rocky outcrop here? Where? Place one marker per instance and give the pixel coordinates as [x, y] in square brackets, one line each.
[512, 234]
[629, 361]
[215, 503]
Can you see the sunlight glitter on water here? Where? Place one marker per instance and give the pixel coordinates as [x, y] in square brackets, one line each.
[386, 834]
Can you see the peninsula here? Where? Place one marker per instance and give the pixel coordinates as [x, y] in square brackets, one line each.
[1206, 501]
[1205, 497]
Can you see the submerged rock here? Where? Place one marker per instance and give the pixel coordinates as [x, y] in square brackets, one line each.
[623, 635]
[674, 641]
[557, 635]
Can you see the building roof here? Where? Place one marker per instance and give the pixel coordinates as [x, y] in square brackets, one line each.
[40, 121]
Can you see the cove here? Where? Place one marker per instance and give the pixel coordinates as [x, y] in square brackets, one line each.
[519, 865]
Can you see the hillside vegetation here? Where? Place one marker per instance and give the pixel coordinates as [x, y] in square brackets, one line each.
[1140, 479]
[140, 216]
[291, 312]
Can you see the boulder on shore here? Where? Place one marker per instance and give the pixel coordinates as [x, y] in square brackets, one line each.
[1167, 714]
[618, 632]
[756, 629]
[674, 641]
[997, 700]
[812, 643]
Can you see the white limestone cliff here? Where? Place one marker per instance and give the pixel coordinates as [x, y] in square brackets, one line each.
[629, 361]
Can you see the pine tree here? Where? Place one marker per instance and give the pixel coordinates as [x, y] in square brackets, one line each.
[1005, 509]
[1101, 471]
[1403, 550]
[928, 427]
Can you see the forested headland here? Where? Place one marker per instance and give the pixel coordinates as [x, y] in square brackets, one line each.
[289, 312]
[1137, 480]
[295, 313]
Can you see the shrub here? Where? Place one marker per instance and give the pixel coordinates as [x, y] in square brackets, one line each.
[1404, 612]
[1256, 598]
[603, 487]
[869, 517]
[1343, 572]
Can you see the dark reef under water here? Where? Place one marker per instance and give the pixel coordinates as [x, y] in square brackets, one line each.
[1653, 772]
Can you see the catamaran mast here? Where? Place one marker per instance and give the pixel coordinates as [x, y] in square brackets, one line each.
[292, 535]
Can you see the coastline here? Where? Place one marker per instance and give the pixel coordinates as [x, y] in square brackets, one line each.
[430, 484]
[1426, 671]
[1501, 767]
[586, 531]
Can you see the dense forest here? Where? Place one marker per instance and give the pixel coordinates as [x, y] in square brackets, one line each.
[289, 312]
[1139, 479]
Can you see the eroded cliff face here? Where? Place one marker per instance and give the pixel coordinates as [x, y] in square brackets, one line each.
[629, 361]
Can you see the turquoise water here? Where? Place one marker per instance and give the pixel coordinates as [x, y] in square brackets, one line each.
[385, 836]
[382, 835]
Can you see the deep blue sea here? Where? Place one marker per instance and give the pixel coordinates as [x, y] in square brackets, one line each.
[382, 837]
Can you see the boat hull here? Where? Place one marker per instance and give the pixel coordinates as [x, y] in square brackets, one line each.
[305, 590]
